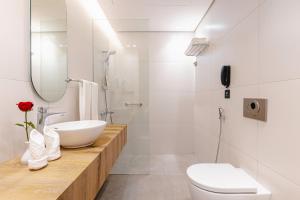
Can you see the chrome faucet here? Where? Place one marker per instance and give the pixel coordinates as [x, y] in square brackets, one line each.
[42, 116]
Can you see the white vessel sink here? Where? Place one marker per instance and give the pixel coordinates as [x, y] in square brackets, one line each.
[78, 134]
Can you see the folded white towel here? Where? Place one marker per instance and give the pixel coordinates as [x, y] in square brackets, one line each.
[85, 93]
[94, 101]
[52, 144]
[37, 150]
[88, 100]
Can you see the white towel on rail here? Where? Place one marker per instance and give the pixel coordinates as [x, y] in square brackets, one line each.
[84, 100]
[88, 100]
[94, 101]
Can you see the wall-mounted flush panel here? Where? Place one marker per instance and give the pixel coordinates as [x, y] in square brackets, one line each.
[255, 108]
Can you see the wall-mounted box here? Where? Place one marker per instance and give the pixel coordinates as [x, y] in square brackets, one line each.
[255, 108]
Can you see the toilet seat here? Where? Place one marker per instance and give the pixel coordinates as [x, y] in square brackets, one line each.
[222, 178]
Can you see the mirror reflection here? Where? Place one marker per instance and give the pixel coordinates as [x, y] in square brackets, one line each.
[49, 48]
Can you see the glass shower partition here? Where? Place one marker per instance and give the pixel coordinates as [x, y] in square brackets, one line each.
[123, 92]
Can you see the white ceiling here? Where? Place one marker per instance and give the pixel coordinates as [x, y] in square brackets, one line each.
[155, 15]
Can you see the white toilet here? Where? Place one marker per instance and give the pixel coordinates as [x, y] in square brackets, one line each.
[223, 182]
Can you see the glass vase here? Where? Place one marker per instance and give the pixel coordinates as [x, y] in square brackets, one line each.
[26, 155]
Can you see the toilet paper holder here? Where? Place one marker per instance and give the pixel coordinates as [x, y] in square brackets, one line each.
[255, 108]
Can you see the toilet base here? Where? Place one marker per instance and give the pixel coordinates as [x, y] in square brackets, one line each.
[199, 194]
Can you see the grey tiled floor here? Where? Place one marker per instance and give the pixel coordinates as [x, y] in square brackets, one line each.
[166, 181]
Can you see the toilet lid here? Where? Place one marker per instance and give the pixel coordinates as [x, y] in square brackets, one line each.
[222, 178]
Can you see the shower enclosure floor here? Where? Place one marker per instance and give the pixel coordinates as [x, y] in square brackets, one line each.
[166, 181]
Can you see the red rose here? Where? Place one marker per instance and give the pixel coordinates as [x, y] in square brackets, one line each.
[25, 106]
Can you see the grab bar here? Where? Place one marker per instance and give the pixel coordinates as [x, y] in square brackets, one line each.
[133, 104]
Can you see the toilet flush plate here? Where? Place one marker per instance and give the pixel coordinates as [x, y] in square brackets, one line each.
[255, 108]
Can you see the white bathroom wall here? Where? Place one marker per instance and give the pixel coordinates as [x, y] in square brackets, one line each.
[15, 83]
[259, 40]
[171, 93]
[80, 56]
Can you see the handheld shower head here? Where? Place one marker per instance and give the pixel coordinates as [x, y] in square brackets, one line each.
[221, 118]
[221, 110]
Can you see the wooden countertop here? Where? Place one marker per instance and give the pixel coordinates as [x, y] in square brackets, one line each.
[78, 174]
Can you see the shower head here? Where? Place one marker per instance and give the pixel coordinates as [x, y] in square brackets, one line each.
[108, 54]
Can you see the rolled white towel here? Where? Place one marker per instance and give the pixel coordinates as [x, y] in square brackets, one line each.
[37, 151]
[52, 144]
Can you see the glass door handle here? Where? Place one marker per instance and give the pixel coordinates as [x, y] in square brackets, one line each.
[133, 104]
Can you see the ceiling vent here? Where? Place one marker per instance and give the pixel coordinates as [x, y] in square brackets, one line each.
[197, 46]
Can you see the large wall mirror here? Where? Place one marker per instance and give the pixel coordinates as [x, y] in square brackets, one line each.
[49, 67]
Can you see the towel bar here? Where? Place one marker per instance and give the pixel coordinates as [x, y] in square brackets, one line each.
[68, 80]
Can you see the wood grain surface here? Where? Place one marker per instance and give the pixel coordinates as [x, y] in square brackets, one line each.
[77, 175]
